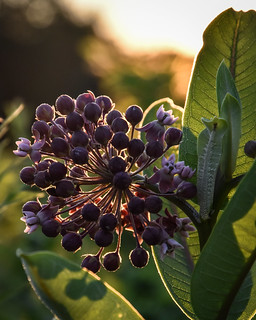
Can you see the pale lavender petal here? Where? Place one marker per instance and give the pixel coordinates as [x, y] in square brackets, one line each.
[169, 120]
[164, 161]
[20, 153]
[163, 250]
[31, 221]
[24, 147]
[172, 158]
[31, 228]
[25, 140]
[174, 244]
[39, 144]
[184, 234]
[160, 113]
[146, 127]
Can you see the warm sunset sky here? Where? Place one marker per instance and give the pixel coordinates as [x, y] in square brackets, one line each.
[156, 24]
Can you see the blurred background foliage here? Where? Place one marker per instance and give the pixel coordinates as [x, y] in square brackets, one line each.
[44, 52]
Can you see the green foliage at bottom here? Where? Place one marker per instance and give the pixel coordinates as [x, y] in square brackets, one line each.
[71, 293]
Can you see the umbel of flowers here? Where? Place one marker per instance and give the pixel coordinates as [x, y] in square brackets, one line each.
[85, 157]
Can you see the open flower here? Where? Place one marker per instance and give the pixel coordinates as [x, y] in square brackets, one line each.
[155, 130]
[25, 148]
[171, 175]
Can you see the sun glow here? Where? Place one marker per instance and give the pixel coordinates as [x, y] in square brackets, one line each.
[142, 25]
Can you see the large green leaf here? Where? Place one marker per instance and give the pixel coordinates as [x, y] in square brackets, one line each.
[176, 273]
[225, 263]
[71, 293]
[231, 36]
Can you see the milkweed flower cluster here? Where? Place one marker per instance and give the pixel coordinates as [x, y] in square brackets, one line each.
[85, 157]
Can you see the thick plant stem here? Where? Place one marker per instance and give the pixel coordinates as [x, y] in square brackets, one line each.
[204, 231]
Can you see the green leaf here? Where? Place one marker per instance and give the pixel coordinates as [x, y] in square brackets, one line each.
[176, 273]
[231, 112]
[209, 151]
[230, 36]
[225, 84]
[70, 292]
[225, 263]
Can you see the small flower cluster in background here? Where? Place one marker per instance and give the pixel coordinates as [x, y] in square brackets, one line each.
[86, 158]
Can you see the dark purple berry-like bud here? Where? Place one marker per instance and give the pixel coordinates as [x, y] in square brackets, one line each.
[90, 212]
[32, 206]
[71, 241]
[153, 204]
[65, 104]
[152, 235]
[79, 155]
[77, 172]
[154, 149]
[62, 122]
[42, 127]
[117, 164]
[91, 263]
[120, 141]
[74, 121]
[113, 114]
[135, 148]
[65, 188]
[42, 179]
[136, 205]
[57, 171]
[60, 147]
[83, 99]
[44, 165]
[173, 136]
[139, 257]
[45, 112]
[27, 175]
[250, 148]
[103, 134]
[111, 261]
[186, 190]
[79, 139]
[92, 112]
[119, 125]
[108, 222]
[122, 180]
[51, 228]
[134, 115]
[105, 103]
[103, 238]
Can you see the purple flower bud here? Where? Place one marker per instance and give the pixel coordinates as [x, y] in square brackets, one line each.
[186, 190]
[91, 263]
[173, 136]
[134, 115]
[105, 103]
[113, 114]
[250, 148]
[65, 104]
[83, 99]
[45, 112]
[139, 257]
[111, 261]
[92, 112]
